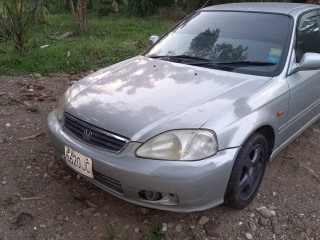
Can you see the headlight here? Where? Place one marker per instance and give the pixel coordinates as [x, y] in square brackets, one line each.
[186, 145]
[62, 103]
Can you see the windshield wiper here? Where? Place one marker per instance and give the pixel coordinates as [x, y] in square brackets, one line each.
[237, 63]
[249, 63]
[183, 57]
[198, 61]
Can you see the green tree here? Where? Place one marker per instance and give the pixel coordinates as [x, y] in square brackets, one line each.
[39, 7]
[16, 18]
[17, 15]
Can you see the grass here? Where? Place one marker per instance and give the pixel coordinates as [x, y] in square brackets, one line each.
[109, 40]
[110, 235]
[17, 161]
[157, 234]
[33, 157]
[8, 202]
[22, 183]
[190, 234]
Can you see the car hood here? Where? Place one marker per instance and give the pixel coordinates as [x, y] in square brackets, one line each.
[142, 97]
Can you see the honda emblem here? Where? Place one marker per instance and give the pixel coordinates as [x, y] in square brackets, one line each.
[87, 134]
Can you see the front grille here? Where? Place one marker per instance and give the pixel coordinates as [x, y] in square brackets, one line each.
[108, 182]
[93, 135]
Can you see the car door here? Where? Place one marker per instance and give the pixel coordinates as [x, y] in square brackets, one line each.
[304, 103]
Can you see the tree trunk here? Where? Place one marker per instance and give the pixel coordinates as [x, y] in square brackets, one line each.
[115, 5]
[79, 14]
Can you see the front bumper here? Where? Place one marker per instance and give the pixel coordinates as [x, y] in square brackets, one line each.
[185, 186]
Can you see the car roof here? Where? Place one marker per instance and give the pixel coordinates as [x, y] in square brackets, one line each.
[268, 7]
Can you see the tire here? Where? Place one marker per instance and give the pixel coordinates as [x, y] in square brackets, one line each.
[247, 172]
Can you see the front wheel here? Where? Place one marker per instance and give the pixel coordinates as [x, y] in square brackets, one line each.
[247, 172]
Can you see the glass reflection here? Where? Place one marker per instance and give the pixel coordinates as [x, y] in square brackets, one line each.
[253, 42]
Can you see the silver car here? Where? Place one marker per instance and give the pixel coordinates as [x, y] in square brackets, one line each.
[191, 123]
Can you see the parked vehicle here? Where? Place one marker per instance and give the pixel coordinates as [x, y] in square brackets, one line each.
[191, 123]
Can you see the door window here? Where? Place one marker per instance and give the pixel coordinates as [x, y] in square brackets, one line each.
[308, 36]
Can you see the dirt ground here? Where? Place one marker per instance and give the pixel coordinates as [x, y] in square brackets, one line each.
[41, 198]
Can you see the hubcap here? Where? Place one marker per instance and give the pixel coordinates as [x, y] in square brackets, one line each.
[251, 172]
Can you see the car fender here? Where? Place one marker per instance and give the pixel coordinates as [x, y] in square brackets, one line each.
[266, 106]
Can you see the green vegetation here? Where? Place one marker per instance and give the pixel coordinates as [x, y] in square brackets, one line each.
[16, 16]
[157, 234]
[108, 40]
[50, 36]
[190, 234]
[33, 157]
[17, 161]
[8, 202]
[110, 235]
[22, 183]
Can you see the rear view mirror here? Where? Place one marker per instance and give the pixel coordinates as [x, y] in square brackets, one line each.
[154, 39]
[309, 61]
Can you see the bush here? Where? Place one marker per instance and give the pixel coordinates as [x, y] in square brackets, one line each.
[105, 10]
[171, 13]
[139, 8]
[143, 8]
[4, 34]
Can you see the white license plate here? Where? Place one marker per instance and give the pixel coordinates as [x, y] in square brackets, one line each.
[78, 162]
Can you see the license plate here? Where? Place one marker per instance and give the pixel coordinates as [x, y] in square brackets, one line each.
[78, 162]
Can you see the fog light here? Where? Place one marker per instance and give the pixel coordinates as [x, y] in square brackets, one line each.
[150, 195]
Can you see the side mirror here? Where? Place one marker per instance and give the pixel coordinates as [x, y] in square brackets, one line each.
[309, 61]
[154, 39]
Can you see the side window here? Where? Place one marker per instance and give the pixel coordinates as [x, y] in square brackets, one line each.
[308, 36]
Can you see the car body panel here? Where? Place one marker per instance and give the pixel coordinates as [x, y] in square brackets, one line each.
[117, 104]
[136, 174]
[259, 110]
[293, 9]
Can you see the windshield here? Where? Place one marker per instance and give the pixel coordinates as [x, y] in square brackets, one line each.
[245, 42]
